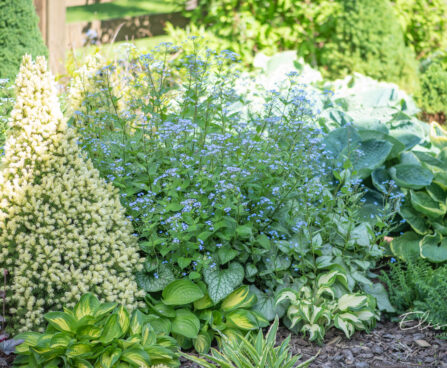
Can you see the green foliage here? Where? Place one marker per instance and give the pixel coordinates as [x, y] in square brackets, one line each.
[324, 303]
[418, 289]
[19, 35]
[252, 351]
[433, 92]
[367, 38]
[96, 334]
[338, 36]
[189, 314]
[6, 104]
[424, 23]
[213, 182]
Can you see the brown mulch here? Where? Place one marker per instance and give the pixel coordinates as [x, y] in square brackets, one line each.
[6, 360]
[387, 346]
[438, 117]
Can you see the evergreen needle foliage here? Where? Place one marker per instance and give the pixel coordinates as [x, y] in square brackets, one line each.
[62, 228]
[19, 35]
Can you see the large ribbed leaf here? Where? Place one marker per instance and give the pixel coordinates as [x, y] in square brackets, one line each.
[181, 292]
[342, 139]
[434, 248]
[411, 176]
[406, 246]
[414, 218]
[370, 154]
[423, 203]
[186, 324]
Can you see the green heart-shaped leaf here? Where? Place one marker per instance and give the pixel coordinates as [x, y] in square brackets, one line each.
[222, 282]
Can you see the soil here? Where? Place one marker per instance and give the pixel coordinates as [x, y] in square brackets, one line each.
[387, 346]
[438, 117]
[6, 360]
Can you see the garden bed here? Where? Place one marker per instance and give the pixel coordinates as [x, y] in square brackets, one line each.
[387, 346]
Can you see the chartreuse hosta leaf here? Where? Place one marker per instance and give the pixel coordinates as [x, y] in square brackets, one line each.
[86, 306]
[181, 292]
[186, 324]
[107, 336]
[62, 321]
[202, 342]
[203, 303]
[240, 298]
[242, 319]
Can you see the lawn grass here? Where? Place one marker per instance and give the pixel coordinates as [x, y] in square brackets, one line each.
[119, 9]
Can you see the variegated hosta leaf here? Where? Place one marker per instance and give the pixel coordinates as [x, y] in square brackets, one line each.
[326, 290]
[316, 332]
[345, 325]
[287, 294]
[352, 301]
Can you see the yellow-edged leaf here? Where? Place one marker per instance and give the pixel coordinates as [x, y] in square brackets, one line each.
[61, 321]
[86, 306]
[240, 298]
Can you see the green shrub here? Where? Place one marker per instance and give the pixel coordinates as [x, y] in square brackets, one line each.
[418, 288]
[424, 23]
[19, 35]
[339, 36]
[433, 92]
[62, 228]
[367, 38]
[96, 334]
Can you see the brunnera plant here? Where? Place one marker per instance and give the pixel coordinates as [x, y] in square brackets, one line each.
[217, 191]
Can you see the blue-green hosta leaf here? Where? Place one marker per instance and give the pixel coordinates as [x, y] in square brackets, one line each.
[397, 148]
[154, 281]
[441, 179]
[413, 218]
[369, 155]
[411, 176]
[431, 162]
[436, 192]
[186, 324]
[380, 179]
[434, 248]
[406, 246]
[221, 282]
[181, 292]
[423, 203]
[342, 139]
[440, 227]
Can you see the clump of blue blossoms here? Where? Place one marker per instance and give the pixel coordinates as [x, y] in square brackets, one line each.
[207, 183]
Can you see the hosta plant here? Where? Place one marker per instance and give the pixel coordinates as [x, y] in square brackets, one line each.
[187, 312]
[95, 334]
[316, 308]
[252, 351]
